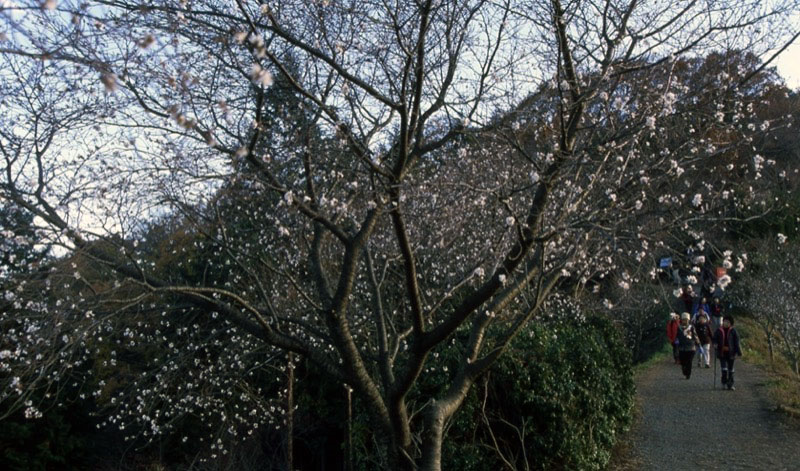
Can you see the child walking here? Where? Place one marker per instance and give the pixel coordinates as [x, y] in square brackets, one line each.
[704, 336]
[727, 341]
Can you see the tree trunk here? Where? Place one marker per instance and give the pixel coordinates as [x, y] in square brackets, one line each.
[349, 459]
[432, 443]
[769, 347]
[440, 412]
[290, 414]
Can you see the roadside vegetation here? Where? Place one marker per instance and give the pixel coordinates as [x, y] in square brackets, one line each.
[783, 386]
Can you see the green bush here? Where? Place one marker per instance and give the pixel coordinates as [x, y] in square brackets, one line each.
[57, 440]
[558, 399]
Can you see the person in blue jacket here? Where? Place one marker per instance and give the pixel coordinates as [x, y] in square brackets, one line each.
[726, 340]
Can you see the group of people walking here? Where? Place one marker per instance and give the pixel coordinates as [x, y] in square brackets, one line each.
[696, 334]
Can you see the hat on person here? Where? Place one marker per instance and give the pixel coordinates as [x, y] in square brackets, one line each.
[686, 316]
[673, 315]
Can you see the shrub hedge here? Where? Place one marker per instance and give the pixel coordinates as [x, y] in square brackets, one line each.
[557, 399]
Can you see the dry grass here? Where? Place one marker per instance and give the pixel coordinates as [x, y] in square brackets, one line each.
[783, 386]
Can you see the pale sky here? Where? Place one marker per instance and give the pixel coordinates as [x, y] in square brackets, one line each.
[788, 65]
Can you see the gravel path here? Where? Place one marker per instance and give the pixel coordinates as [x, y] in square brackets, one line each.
[685, 424]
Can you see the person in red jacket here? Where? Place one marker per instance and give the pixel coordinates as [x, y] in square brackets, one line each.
[672, 334]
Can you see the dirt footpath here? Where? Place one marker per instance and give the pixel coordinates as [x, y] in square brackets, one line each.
[686, 424]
